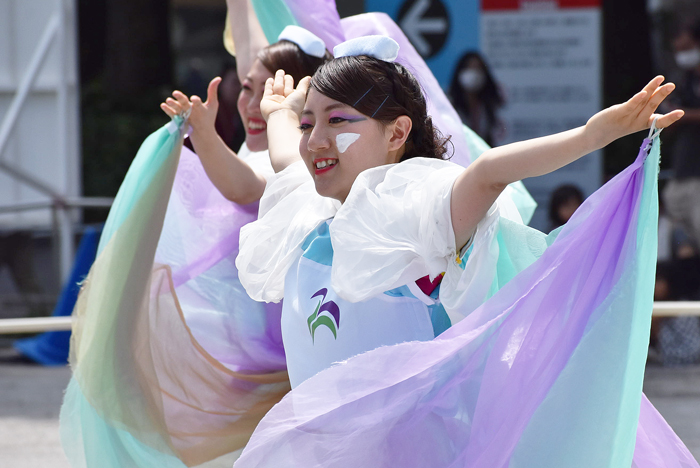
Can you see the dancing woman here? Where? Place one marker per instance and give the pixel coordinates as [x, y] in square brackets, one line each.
[366, 206]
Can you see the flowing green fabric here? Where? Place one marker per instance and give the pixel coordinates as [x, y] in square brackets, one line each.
[144, 391]
[615, 370]
[274, 16]
[101, 377]
[156, 157]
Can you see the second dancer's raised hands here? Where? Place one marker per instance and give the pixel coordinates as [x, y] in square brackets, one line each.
[280, 94]
[202, 115]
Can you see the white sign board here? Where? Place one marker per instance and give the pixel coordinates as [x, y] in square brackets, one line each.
[546, 55]
[44, 141]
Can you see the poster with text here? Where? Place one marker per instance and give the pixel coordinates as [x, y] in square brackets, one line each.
[546, 56]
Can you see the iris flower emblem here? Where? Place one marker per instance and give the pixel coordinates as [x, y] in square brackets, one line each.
[327, 314]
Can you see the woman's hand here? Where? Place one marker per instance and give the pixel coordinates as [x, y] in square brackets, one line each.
[280, 94]
[632, 116]
[203, 114]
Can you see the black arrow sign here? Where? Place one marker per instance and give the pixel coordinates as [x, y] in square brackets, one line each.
[426, 23]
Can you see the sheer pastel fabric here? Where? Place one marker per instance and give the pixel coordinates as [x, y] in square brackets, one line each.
[547, 372]
[289, 210]
[173, 365]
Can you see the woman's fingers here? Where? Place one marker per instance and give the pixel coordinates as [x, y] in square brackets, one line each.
[269, 84]
[637, 101]
[653, 85]
[173, 104]
[647, 114]
[667, 119]
[303, 85]
[213, 92]
[642, 106]
[659, 96]
[182, 100]
[170, 112]
[288, 85]
[278, 86]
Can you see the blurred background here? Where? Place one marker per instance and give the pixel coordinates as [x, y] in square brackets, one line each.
[80, 87]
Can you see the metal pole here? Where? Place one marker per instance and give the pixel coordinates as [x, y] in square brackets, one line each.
[40, 324]
[65, 221]
[66, 239]
[22, 175]
[10, 118]
[35, 325]
[78, 202]
[676, 308]
[27, 82]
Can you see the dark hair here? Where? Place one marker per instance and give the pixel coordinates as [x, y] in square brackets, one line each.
[490, 95]
[382, 91]
[287, 56]
[560, 196]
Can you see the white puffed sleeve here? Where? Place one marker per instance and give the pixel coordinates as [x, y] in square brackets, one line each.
[289, 210]
[394, 227]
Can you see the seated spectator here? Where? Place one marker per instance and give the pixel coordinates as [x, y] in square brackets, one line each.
[564, 202]
[676, 340]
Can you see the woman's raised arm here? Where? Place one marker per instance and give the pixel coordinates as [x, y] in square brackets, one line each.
[248, 36]
[477, 188]
[281, 107]
[231, 176]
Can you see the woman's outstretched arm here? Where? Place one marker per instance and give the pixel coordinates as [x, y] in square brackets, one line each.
[476, 189]
[232, 176]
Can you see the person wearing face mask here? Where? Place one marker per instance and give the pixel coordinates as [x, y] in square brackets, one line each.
[682, 194]
[476, 97]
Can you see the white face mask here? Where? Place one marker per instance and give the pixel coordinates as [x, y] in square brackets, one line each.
[472, 80]
[688, 59]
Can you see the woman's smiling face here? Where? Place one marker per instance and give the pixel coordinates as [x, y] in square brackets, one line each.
[249, 99]
[339, 142]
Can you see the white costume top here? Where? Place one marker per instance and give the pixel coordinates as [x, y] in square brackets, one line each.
[259, 161]
[394, 228]
[320, 328]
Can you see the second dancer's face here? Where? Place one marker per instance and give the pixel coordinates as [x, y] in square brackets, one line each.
[339, 142]
[249, 99]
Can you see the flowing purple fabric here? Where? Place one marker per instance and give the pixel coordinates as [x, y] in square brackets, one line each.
[546, 373]
[199, 242]
[209, 213]
[320, 17]
[658, 446]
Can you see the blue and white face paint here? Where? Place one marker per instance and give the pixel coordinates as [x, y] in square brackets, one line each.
[344, 140]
